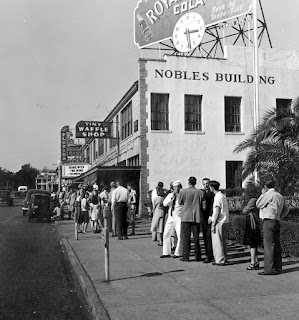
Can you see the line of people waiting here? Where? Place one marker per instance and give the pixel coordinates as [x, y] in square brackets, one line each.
[88, 206]
[194, 210]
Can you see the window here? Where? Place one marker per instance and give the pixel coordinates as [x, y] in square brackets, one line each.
[233, 174]
[122, 163]
[135, 125]
[193, 113]
[101, 147]
[94, 150]
[159, 111]
[232, 114]
[87, 152]
[283, 106]
[133, 161]
[126, 121]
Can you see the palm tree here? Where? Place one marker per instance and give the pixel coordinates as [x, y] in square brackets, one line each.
[274, 149]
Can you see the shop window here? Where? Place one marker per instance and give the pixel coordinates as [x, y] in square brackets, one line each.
[159, 111]
[133, 161]
[232, 114]
[233, 174]
[101, 147]
[126, 121]
[283, 106]
[193, 113]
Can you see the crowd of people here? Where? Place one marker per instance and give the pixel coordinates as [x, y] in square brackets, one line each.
[89, 207]
[178, 212]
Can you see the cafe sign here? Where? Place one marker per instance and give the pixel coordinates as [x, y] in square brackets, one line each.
[182, 20]
[93, 129]
[64, 132]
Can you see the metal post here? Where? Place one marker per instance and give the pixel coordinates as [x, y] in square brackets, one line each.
[256, 74]
[105, 235]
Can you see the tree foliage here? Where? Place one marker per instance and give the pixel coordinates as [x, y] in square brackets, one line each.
[273, 148]
[24, 177]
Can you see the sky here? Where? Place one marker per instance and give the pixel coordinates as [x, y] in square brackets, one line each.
[62, 61]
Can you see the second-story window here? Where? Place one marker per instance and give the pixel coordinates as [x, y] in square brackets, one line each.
[101, 147]
[232, 107]
[159, 111]
[193, 113]
[126, 121]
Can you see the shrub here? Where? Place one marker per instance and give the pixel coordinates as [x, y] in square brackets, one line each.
[289, 238]
[236, 227]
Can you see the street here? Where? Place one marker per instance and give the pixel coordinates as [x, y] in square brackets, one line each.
[36, 282]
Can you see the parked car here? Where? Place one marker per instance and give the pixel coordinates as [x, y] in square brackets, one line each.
[6, 197]
[27, 201]
[40, 207]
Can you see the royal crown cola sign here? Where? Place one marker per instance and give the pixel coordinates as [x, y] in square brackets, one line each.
[154, 20]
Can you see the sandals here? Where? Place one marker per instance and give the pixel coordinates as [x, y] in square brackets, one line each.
[254, 266]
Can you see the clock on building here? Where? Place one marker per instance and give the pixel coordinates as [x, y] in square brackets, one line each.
[188, 32]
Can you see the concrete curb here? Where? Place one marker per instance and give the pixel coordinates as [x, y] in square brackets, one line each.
[98, 311]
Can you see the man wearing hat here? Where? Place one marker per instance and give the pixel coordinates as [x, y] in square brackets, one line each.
[173, 221]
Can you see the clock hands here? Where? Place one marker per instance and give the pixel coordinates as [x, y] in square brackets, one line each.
[187, 33]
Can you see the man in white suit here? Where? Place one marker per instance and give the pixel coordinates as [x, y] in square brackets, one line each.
[173, 221]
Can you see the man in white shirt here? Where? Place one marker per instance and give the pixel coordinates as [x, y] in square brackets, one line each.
[120, 203]
[219, 222]
[272, 208]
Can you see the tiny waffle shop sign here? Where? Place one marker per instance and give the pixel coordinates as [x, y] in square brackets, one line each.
[93, 129]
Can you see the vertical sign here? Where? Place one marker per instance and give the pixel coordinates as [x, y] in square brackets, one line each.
[63, 143]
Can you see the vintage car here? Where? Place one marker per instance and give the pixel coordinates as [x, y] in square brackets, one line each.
[6, 197]
[40, 207]
[28, 199]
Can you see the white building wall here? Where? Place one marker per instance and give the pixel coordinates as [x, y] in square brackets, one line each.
[177, 154]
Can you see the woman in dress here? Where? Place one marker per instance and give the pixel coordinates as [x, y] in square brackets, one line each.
[132, 208]
[252, 235]
[85, 212]
[158, 216]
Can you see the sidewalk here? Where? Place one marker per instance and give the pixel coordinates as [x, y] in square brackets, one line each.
[144, 286]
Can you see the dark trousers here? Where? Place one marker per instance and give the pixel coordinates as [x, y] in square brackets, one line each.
[186, 228]
[120, 212]
[272, 248]
[207, 238]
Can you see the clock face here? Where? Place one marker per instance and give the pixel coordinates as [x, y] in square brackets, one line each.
[188, 32]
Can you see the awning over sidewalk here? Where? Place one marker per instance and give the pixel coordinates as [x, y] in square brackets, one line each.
[103, 175]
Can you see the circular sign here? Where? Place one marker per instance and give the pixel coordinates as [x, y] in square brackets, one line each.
[188, 32]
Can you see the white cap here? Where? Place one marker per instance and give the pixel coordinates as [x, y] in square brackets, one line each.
[176, 183]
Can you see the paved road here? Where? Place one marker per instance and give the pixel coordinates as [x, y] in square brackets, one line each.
[36, 281]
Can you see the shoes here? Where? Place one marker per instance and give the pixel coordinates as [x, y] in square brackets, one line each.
[132, 234]
[198, 260]
[207, 260]
[175, 257]
[165, 256]
[114, 235]
[160, 244]
[254, 266]
[263, 273]
[125, 238]
[186, 260]
[219, 264]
